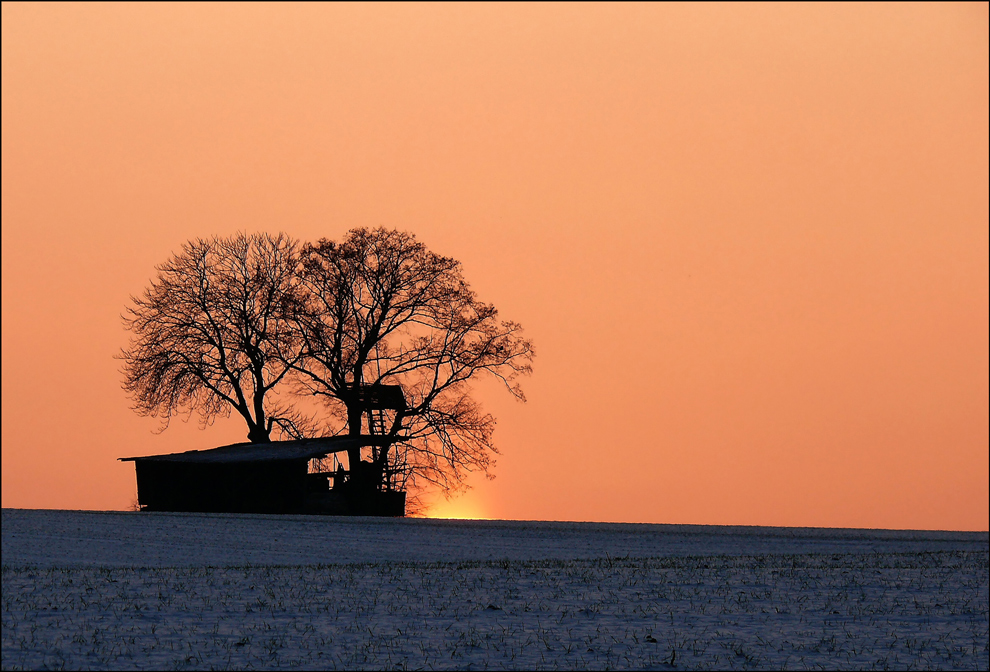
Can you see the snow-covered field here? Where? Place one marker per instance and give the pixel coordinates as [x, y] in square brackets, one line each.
[193, 591]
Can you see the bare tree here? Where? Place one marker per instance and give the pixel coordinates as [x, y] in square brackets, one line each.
[384, 310]
[211, 334]
[230, 321]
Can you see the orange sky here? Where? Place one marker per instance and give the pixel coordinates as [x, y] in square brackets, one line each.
[750, 242]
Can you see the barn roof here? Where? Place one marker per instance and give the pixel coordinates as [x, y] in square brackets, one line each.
[302, 449]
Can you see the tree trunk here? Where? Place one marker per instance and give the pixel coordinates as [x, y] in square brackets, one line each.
[258, 434]
[354, 429]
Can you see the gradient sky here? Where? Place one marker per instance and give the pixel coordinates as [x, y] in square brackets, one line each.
[750, 242]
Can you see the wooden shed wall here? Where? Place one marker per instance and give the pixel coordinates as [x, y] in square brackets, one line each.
[238, 487]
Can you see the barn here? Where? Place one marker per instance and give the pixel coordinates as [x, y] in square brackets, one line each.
[274, 477]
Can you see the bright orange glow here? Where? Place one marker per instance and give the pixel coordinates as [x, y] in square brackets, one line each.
[458, 508]
[750, 242]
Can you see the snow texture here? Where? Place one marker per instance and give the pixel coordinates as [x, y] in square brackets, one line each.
[85, 590]
[127, 539]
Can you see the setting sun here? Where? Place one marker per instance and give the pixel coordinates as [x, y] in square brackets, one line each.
[457, 508]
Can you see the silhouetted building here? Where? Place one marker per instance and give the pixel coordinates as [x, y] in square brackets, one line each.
[267, 478]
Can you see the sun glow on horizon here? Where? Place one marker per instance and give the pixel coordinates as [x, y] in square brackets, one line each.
[462, 507]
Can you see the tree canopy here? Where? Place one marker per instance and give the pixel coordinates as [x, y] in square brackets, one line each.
[211, 333]
[383, 309]
[256, 324]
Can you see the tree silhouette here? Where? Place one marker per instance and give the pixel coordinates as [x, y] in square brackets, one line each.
[384, 310]
[237, 324]
[211, 334]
